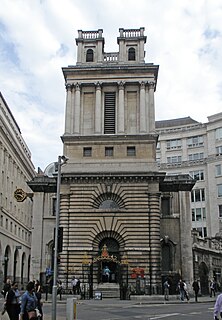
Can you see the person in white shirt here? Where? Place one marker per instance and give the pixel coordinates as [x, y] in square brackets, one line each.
[218, 307]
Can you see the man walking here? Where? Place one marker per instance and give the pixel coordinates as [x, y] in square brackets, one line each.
[218, 307]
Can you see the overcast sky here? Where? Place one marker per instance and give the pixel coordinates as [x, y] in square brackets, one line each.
[37, 39]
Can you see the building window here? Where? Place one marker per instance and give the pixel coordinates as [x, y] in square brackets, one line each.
[219, 190]
[89, 55]
[220, 210]
[202, 231]
[165, 206]
[54, 206]
[108, 151]
[196, 156]
[87, 152]
[173, 144]
[198, 214]
[131, 54]
[219, 150]
[197, 195]
[219, 134]
[109, 112]
[195, 141]
[197, 175]
[218, 170]
[174, 159]
[131, 151]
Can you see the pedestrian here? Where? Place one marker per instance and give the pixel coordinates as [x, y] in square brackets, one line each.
[74, 283]
[181, 289]
[38, 293]
[12, 304]
[106, 274]
[212, 288]
[166, 287]
[196, 288]
[59, 288]
[186, 293]
[218, 307]
[78, 289]
[29, 303]
[6, 287]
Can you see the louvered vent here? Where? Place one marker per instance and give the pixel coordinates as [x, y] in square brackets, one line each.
[110, 113]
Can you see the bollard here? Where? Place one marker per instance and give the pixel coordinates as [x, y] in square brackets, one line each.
[71, 309]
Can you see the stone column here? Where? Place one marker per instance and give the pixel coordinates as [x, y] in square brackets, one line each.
[154, 240]
[98, 109]
[142, 108]
[77, 109]
[185, 236]
[68, 116]
[120, 116]
[151, 106]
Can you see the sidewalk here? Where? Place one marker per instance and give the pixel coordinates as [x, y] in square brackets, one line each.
[136, 299]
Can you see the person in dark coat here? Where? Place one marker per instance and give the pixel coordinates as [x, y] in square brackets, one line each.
[12, 302]
[196, 288]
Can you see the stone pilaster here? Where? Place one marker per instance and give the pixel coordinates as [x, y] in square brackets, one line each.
[98, 109]
[69, 117]
[142, 108]
[151, 116]
[77, 109]
[121, 122]
[154, 239]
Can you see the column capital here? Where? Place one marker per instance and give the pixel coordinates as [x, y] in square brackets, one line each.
[77, 85]
[142, 84]
[68, 86]
[98, 85]
[121, 85]
[151, 84]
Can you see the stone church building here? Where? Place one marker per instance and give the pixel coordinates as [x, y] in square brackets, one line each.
[117, 209]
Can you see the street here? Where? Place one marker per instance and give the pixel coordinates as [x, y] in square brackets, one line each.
[120, 310]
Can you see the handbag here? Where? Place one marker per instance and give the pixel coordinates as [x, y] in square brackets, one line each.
[32, 314]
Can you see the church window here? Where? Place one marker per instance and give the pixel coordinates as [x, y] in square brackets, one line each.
[89, 55]
[131, 54]
[108, 151]
[108, 204]
[87, 152]
[131, 151]
[109, 112]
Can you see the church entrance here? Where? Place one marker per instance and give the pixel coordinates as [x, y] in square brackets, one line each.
[108, 261]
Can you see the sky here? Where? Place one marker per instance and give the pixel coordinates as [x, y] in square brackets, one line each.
[37, 39]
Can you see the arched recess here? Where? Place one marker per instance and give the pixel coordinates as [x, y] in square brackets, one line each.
[89, 55]
[7, 263]
[204, 278]
[168, 254]
[109, 200]
[131, 54]
[50, 254]
[113, 244]
[23, 261]
[28, 268]
[16, 266]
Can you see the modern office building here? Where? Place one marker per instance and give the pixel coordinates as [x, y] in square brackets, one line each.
[186, 146]
[16, 169]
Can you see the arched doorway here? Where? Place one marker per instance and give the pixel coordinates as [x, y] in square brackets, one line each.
[203, 275]
[110, 257]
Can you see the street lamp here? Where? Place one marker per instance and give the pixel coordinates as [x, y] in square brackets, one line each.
[61, 160]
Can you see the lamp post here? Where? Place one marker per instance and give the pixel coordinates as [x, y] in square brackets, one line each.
[61, 161]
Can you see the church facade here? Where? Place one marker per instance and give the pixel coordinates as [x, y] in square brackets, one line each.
[117, 209]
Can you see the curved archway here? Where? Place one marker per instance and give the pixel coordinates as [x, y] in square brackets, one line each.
[203, 275]
[22, 267]
[89, 55]
[131, 54]
[114, 250]
[6, 262]
[16, 266]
